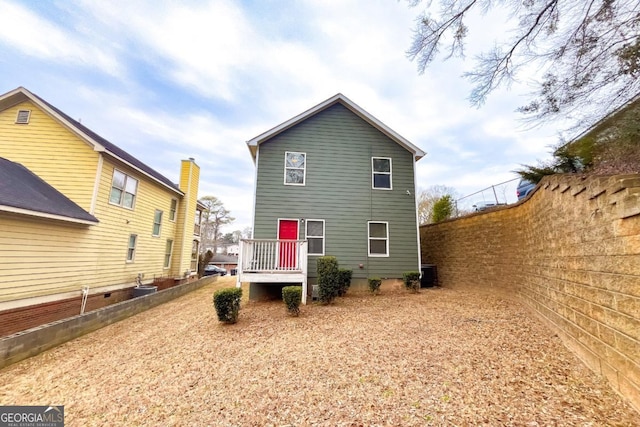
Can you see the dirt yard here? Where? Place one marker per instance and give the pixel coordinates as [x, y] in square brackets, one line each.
[443, 357]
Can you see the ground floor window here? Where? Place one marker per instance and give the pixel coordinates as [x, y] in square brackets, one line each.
[378, 239]
[131, 249]
[167, 253]
[315, 236]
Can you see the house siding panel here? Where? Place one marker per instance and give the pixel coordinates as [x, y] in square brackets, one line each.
[339, 146]
[50, 151]
[40, 257]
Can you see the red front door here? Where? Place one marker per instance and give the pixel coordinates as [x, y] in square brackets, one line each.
[287, 230]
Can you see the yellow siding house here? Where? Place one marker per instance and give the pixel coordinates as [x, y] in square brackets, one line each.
[77, 211]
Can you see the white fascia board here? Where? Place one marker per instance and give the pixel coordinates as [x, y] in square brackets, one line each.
[20, 211]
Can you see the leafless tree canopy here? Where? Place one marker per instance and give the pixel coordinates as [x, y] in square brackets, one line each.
[589, 51]
[428, 197]
[213, 218]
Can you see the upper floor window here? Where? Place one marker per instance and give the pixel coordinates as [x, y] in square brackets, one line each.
[196, 223]
[173, 209]
[157, 223]
[123, 190]
[295, 168]
[381, 173]
[315, 236]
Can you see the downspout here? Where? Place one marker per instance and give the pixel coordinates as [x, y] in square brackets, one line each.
[415, 201]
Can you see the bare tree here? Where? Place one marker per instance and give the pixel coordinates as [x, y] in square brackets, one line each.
[213, 218]
[428, 197]
[588, 50]
[237, 235]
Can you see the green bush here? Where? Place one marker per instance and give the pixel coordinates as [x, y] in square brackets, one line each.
[344, 280]
[411, 280]
[227, 304]
[292, 296]
[374, 285]
[328, 279]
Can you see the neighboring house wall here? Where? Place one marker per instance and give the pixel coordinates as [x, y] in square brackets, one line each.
[43, 260]
[572, 253]
[50, 151]
[339, 146]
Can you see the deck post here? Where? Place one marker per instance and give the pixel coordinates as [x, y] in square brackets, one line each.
[240, 266]
[303, 265]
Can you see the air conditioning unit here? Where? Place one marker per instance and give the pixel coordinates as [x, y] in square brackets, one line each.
[429, 275]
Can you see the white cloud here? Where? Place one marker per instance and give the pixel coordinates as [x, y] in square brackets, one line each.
[46, 40]
[202, 77]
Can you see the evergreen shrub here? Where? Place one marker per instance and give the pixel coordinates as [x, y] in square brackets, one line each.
[328, 279]
[227, 304]
[374, 284]
[344, 280]
[411, 280]
[292, 296]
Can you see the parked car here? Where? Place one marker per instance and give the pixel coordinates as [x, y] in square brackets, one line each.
[214, 270]
[483, 206]
[524, 188]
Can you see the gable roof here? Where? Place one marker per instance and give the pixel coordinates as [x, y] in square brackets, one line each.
[353, 107]
[23, 192]
[98, 143]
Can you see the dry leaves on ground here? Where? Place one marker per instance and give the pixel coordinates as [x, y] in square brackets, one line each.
[451, 357]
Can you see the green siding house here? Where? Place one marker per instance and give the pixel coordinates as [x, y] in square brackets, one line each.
[336, 181]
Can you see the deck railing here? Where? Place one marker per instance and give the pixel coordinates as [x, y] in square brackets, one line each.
[273, 261]
[272, 255]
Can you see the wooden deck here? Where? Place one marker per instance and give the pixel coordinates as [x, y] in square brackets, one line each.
[273, 261]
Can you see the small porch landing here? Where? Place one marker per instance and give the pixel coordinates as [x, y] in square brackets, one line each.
[273, 261]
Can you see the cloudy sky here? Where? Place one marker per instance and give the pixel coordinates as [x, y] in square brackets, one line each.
[169, 80]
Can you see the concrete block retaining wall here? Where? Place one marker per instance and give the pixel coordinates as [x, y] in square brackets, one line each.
[571, 252]
[22, 345]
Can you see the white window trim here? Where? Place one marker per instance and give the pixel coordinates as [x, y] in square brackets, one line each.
[175, 213]
[167, 265]
[159, 223]
[324, 235]
[304, 170]
[390, 173]
[135, 244]
[124, 190]
[369, 238]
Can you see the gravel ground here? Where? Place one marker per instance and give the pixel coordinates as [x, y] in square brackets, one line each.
[442, 357]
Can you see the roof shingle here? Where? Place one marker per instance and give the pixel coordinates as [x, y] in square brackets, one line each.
[20, 188]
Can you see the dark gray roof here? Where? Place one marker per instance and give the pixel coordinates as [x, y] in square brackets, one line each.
[224, 258]
[21, 188]
[111, 148]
